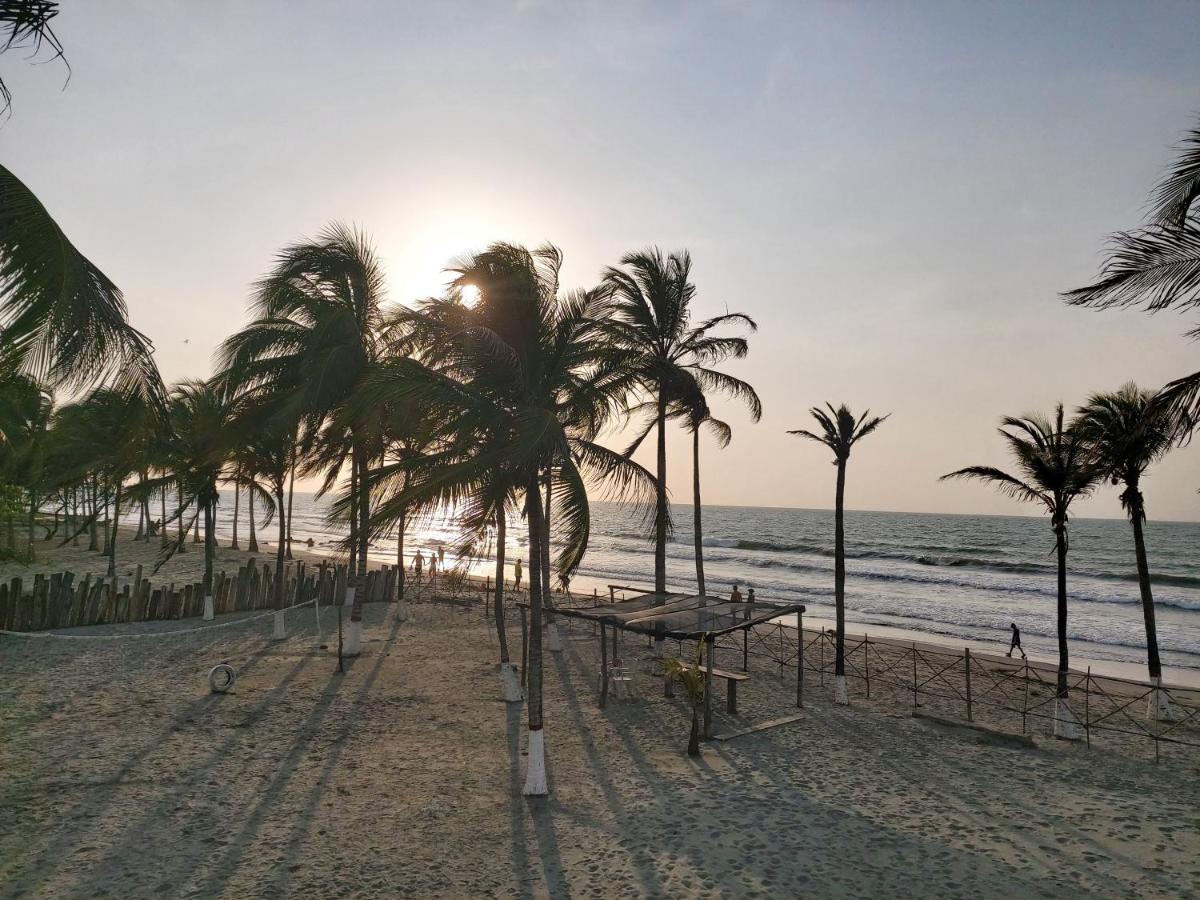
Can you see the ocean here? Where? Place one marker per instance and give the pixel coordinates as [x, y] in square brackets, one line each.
[955, 579]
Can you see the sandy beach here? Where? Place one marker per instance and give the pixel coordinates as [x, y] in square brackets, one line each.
[126, 777]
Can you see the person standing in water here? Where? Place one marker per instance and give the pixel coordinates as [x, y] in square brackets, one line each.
[1016, 642]
[736, 596]
[517, 572]
[418, 564]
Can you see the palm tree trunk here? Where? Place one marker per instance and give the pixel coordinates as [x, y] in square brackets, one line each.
[358, 547]
[547, 600]
[162, 499]
[364, 513]
[694, 737]
[196, 531]
[1136, 517]
[237, 497]
[210, 543]
[112, 542]
[696, 523]
[660, 499]
[280, 581]
[1060, 549]
[93, 538]
[839, 579]
[181, 546]
[141, 526]
[33, 505]
[535, 775]
[291, 496]
[401, 526]
[498, 595]
[252, 547]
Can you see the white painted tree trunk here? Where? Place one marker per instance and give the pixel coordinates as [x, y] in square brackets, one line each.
[535, 773]
[352, 646]
[1066, 724]
[511, 682]
[401, 610]
[1160, 706]
[280, 632]
[208, 608]
[553, 641]
[840, 694]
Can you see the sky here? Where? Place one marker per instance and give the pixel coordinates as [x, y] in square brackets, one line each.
[896, 192]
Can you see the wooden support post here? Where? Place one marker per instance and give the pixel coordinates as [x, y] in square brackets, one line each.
[524, 645]
[800, 660]
[967, 668]
[821, 663]
[914, 653]
[604, 666]
[867, 662]
[745, 649]
[615, 655]
[1025, 705]
[708, 689]
[1087, 707]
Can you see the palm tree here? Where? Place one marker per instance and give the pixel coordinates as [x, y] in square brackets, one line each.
[1056, 467]
[25, 24]
[1157, 266]
[316, 334]
[651, 342]
[516, 378]
[840, 431]
[1128, 431]
[61, 319]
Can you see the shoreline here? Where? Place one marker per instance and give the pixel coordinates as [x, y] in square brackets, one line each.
[188, 567]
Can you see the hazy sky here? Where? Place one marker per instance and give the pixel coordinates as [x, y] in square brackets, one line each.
[895, 191]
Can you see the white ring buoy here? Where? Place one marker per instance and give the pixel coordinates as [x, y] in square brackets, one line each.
[221, 678]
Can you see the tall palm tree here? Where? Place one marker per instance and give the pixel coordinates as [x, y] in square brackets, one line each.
[1157, 266]
[840, 431]
[516, 378]
[316, 334]
[650, 339]
[1056, 467]
[1128, 431]
[61, 319]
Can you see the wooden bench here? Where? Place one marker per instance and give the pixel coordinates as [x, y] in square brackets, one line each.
[731, 682]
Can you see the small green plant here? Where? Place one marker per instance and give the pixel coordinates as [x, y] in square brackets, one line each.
[691, 677]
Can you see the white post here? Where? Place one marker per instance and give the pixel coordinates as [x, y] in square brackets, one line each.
[1161, 707]
[1066, 723]
[401, 610]
[553, 641]
[208, 608]
[840, 695]
[353, 642]
[510, 682]
[280, 627]
[535, 774]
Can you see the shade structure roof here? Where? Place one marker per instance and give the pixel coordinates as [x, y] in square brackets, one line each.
[680, 616]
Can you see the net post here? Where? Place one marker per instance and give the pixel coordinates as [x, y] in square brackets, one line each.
[1087, 707]
[800, 659]
[1025, 704]
[867, 661]
[604, 666]
[708, 688]
[821, 647]
[967, 669]
[914, 667]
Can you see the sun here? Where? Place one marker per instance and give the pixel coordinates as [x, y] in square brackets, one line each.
[470, 295]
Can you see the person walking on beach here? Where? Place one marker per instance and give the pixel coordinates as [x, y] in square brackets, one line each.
[1016, 642]
[517, 572]
[418, 564]
[433, 566]
[441, 557]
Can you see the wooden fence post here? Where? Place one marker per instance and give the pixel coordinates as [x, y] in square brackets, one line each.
[821, 662]
[867, 662]
[1087, 712]
[800, 660]
[914, 654]
[967, 665]
[1025, 703]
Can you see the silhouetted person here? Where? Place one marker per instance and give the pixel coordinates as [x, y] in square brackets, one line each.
[750, 596]
[1016, 642]
[418, 564]
[517, 572]
[736, 596]
[442, 557]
